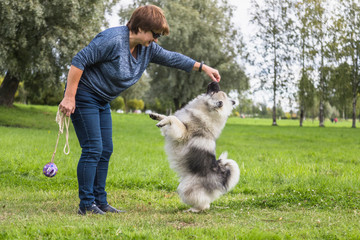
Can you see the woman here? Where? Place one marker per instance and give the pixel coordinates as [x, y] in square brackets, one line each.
[113, 61]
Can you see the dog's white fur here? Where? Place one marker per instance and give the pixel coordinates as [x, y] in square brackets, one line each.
[190, 143]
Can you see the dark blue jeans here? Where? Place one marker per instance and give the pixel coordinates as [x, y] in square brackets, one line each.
[93, 126]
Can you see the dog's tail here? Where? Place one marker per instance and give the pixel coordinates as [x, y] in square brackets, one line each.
[223, 156]
[233, 169]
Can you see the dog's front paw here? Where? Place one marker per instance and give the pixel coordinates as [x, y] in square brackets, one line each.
[154, 116]
[159, 125]
[163, 122]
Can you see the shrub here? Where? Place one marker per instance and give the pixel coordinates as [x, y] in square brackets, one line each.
[135, 104]
[117, 103]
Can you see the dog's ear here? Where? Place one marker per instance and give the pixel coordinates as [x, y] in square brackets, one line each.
[213, 87]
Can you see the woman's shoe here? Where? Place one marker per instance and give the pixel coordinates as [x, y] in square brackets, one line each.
[108, 208]
[93, 209]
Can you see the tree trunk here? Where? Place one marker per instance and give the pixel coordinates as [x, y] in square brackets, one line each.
[8, 89]
[321, 114]
[274, 97]
[355, 91]
[274, 116]
[354, 112]
[301, 116]
[125, 105]
[176, 103]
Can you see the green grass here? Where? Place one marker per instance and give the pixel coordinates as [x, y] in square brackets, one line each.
[296, 183]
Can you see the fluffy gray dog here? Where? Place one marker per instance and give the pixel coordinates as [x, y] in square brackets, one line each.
[190, 143]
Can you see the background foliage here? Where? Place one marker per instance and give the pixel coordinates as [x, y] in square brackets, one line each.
[318, 40]
[316, 45]
[39, 38]
[202, 30]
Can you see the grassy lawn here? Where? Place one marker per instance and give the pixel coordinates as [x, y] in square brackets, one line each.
[296, 183]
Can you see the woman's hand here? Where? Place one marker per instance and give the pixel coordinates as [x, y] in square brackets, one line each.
[67, 106]
[212, 73]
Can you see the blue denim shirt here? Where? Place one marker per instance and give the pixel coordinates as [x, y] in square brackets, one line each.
[109, 67]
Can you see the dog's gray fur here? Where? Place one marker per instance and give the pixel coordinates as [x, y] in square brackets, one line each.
[190, 136]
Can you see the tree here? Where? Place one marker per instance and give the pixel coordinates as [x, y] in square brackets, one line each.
[245, 105]
[39, 38]
[138, 90]
[319, 44]
[279, 111]
[306, 89]
[34, 91]
[135, 104]
[348, 26]
[340, 88]
[306, 95]
[117, 103]
[271, 42]
[202, 30]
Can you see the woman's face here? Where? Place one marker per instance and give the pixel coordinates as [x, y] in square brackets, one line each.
[147, 37]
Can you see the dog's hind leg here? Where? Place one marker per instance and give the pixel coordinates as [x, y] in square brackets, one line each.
[232, 178]
[194, 195]
[198, 209]
[193, 210]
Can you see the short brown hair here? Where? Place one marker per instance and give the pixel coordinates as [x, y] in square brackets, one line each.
[148, 18]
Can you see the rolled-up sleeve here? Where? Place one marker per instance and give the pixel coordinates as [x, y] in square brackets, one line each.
[171, 59]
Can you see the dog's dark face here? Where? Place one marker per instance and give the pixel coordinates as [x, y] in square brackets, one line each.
[213, 87]
[219, 97]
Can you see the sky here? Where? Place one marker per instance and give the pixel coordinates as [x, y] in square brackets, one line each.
[240, 19]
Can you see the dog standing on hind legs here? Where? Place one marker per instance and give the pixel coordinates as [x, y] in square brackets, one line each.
[190, 143]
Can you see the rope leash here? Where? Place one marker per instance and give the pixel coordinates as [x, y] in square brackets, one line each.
[50, 168]
[61, 121]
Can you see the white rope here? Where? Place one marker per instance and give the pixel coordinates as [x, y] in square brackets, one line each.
[62, 120]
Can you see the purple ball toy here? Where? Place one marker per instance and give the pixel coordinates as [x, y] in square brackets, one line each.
[50, 169]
